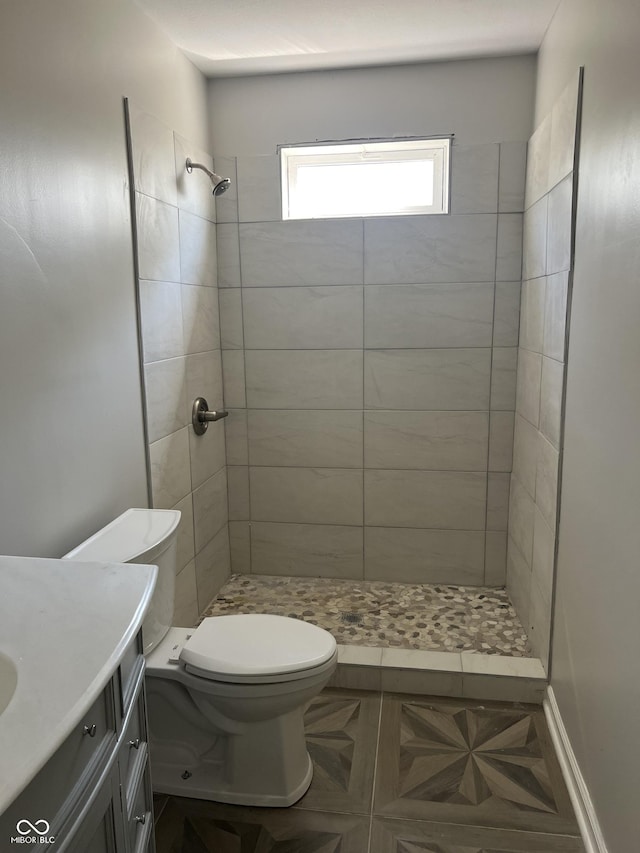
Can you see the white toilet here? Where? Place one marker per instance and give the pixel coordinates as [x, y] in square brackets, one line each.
[226, 699]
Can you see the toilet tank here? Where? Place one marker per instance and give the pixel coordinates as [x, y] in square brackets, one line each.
[141, 536]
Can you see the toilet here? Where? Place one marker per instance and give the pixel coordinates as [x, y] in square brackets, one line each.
[226, 699]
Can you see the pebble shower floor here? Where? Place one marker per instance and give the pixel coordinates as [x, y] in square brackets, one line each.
[394, 615]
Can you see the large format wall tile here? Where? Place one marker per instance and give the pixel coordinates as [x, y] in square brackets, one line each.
[185, 614]
[153, 160]
[306, 495]
[532, 314]
[433, 499]
[424, 556]
[297, 379]
[198, 257]
[501, 441]
[301, 253]
[447, 315]
[551, 389]
[210, 508]
[528, 387]
[235, 431]
[429, 440]
[521, 514]
[438, 379]
[559, 227]
[170, 472]
[498, 501]
[161, 320]
[506, 314]
[555, 316]
[540, 386]
[296, 339]
[206, 453]
[303, 317]
[194, 189]
[306, 550]
[213, 567]
[534, 240]
[233, 375]
[158, 240]
[547, 480]
[509, 248]
[200, 318]
[319, 439]
[166, 397]
[228, 251]
[538, 155]
[525, 454]
[513, 158]
[421, 249]
[563, 133]
[204, 378]
[503, 378]
[231, 331]
[227, 203]
[518, 581]
[186, 548]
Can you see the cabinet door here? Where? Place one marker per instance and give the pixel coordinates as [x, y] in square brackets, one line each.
[99, 828]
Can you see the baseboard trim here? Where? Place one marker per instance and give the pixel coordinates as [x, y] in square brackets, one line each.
[578, 791]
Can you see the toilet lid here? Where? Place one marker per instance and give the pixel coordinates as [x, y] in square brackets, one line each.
[256, 645]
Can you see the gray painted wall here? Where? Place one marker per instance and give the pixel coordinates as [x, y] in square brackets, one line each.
[70, 416]
[482, 100]
[595, 669]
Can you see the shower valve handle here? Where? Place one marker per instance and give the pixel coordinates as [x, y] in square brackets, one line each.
[201, 416]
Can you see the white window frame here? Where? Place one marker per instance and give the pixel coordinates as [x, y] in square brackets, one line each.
[437, 149]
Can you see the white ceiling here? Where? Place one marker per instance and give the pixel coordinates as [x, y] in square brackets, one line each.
[232, 37]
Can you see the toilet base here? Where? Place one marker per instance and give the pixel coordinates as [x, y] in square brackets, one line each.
[205, 784]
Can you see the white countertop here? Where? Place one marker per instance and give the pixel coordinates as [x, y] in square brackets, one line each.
[65, 625]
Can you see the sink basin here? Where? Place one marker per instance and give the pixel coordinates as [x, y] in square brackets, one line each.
[8, 681]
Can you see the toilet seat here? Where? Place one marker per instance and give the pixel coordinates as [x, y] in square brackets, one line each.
[257, 648]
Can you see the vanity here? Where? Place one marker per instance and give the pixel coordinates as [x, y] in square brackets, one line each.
[74, 767]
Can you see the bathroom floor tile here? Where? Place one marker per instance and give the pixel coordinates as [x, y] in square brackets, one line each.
[404, 836]
[342, 733]
[484, 764]
[196, 826]
[391, 615]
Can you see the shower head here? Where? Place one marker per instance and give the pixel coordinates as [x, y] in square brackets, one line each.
[220, 185]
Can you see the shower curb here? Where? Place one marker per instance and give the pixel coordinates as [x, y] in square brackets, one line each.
[468, 675]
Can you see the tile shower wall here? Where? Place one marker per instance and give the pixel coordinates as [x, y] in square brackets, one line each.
[179, 316]
[541, 367]
[370, 371]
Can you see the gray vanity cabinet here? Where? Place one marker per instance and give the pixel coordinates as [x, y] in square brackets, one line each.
[95, 791]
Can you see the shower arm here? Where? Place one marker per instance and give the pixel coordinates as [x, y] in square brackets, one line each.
[191, 166]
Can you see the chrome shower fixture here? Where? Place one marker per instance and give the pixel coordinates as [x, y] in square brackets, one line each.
[220, 185]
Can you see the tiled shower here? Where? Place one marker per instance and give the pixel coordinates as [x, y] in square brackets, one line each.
[370, 369]
[373, 370]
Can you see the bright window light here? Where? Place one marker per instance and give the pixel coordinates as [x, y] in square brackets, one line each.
[371, 179]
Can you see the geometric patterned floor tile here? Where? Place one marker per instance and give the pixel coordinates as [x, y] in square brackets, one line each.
[195, 826]
[484, 764]
[342, 731]
[408, 836]
[452, 776]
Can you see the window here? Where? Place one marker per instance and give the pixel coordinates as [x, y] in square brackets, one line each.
[365, 179]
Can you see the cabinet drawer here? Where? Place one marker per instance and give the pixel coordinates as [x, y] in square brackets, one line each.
[54, 792]
[133, 753]
[140, 822]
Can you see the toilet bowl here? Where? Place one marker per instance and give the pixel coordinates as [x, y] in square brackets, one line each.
[226, 699]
